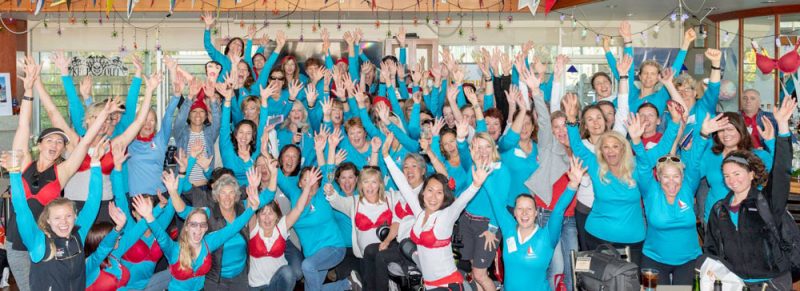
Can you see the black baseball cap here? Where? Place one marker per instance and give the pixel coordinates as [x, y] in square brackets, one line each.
[51, 131]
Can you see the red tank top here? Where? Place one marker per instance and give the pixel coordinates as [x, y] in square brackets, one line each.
[45, 193]
[258, 249]
[140, 252]
[428, 239]
[106, 163]
[363, 223]
[107, 281]
[402, 212]
[183, 275]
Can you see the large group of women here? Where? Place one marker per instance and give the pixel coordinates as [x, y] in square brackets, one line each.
[327, 173]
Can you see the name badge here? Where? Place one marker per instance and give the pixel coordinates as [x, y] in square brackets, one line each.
[511, 245]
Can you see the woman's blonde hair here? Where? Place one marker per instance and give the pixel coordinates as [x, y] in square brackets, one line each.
[488, 138]
[669, 163]
[304, 123]
[92, 111]
[626, 164]
[187, 254]
[370, 173]
[45, 227]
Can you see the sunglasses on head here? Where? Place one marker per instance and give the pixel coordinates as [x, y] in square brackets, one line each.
[669, 158]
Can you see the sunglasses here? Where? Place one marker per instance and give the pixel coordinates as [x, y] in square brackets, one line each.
[673, 159]
[271, 78]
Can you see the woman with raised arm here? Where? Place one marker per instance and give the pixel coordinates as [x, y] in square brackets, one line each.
[239, 148]
[105, 271]
[234, 47]
[737, 231]
[527, 250]
[55, 238]
[190, 257]
[43, 179]
[198, 121]
[437, 210]
[77, 112]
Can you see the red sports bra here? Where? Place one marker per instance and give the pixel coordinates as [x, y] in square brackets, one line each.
[106, 163]
[47, 192]
[108, 281]
[788, 63]
[183, 275]
[428, 239]
[402, 212]
[258, 249]
[363, 223]
[140, 252]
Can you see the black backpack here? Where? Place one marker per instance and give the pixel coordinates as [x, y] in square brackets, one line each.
[604, 270]
[785, 229]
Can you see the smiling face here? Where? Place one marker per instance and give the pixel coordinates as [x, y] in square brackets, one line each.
[738, 178]
[449, 118]
[290, 66]
[559, 128]
[197, 116]
[244, 135]
[263, 168]
[414, 172]
[357, 136]
[212, 71]
[651, 120]
[251, 110]
[196, 226]
[235, 47]
[298, 114]
[337, 113]
[594, 121]
[612, 151]
[469, 114]
[52, 147]
[527, 128]
[670, 176]
[227, 197]
[525, 212]
[648, 75]
[483, 150]
[449, 144]
[61, 220]
[347, 181]
[433, 195]
[149, 126]
[267, 218]
[290, 160]
[493, 127]
[258, 62]
[242, 72]
[278, 77]
[602, 86]
[729, 136]
[688, 94]
[750, 102]
[370, 186]
[608, 114]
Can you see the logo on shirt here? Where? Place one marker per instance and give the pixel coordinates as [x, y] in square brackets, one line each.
[530, 254]
[683, 206]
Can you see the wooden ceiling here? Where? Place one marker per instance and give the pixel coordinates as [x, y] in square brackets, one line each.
[480, 6]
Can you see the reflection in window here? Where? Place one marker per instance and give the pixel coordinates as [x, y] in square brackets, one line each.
[729, 86]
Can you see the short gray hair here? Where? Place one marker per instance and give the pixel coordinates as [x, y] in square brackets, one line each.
[751, 90]
[225, 180]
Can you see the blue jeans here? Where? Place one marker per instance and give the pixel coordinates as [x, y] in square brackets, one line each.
[159, 281]
[568, 242]
[295, 258]
[316, 267]
[283, 279]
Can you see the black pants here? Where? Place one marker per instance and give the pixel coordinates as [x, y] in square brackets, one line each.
[238, 283]
[681, 274]
[780, 283]
[374, 272]
[592, 242]
[581, 214]
[348, 264]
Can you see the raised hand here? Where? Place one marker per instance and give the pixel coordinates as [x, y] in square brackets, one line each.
[137, 65]
[437, 126]
[251, 31]
[119, 155]
[334, 138]
[635, 127]
[170, 181]
[294, 89]
[713, 55]
[462, 129]
[570, 103]
[253, 177]
[117, 216]
[314, 176]
[320, 139]
[688, 37]
[625, 31]
[784, 113]
[280, 40]
[252, 198]
[32, 71]
[151, 83]
[99, 150]
[208, 19]
[676, 111]
[311, 95]
[624, 64]
[666, 76]
[143, 206]
[326, 42]
[480, 173]
[712, 125]
[576, 172]
[767, 132]
[401, 36]
[341, 156]
[387, 144]
[182, 160]
[61, 62]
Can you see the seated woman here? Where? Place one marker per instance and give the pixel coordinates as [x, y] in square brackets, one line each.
[737, 233]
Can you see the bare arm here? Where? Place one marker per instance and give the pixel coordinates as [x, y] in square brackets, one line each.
[130, 133]
[20, 142]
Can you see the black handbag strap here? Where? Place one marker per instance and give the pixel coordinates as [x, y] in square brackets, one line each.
[763, 210]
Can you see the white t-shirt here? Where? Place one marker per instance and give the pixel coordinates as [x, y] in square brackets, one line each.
[262, 269]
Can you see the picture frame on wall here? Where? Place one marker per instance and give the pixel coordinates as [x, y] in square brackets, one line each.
[5, 94]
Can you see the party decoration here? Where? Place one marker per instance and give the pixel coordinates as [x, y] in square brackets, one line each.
[109, 4]
[415, 21]
[500, 27]
[488, 24]
[510, 18]
[572, 69]
[548, 5]
[377, 24]
[130, 5]
[472, 37]
[39, 5]
[448, 19]
[172, 6]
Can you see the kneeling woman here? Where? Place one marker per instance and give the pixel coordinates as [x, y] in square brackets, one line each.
[527, 250]
[752, 251]
[190, 257]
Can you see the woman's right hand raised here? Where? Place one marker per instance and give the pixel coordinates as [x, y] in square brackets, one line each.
[576, 172]
[480, 173]
[712, 125]
[144, 206]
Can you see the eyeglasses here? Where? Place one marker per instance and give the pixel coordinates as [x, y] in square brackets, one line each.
[673, 159]
[197, 225]
[271, 78]
[686, 90]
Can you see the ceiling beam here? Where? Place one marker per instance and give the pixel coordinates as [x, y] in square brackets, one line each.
[283, 6]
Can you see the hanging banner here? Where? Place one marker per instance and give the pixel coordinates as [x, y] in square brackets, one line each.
[97, 66]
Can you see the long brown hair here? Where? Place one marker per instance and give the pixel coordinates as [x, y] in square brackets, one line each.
[97, 233]
[745, 143]
[45, 227]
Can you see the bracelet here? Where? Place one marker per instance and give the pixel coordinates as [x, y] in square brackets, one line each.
[623, 77]
[488, 80]
[182, 173]
[576, 123]
[716, 68]
[628, 42]
[703, 135]
[27, 98]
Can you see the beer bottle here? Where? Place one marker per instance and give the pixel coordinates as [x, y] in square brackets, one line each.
[696, 286]
[717, 285]
[745, 288]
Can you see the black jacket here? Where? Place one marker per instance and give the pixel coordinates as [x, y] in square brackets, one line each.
[62, 268]
[216, 222]
[753, 251]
